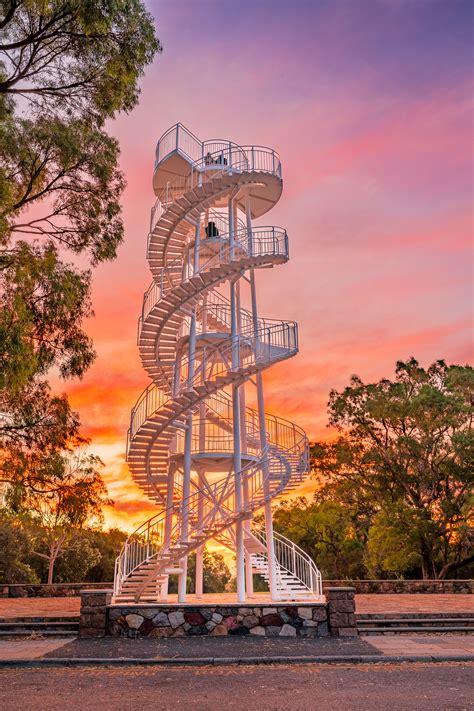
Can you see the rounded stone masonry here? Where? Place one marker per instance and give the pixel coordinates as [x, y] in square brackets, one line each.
[341, 612]
[93, 614]
[160, 620]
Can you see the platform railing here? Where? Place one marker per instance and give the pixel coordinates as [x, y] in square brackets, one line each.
[267, 346]
[230, 159]
[260, 242]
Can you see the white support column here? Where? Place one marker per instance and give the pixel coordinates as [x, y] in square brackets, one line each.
[237, 458]
[263, 437]
[188, 440]
[168, 521]
[199, 579]
[243, 438]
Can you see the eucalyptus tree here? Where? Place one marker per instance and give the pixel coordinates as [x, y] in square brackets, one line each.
[66, 67]
[407, 446]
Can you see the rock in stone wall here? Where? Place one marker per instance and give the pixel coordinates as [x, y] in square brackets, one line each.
[216, 620]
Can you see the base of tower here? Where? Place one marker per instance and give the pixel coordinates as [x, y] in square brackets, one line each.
[259, 616]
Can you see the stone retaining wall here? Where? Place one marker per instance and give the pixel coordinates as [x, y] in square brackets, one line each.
[370, 587]
[363, 587]
[341, 609]
[93, 616]
[306, 620]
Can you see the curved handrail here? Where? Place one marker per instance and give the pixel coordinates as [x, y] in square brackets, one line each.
[295, 560]
[151, 537]
[261, 241]
[181, 139]
[268, 346]
[253, 159]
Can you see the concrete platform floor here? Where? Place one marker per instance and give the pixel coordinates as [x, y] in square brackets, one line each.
[69, 606]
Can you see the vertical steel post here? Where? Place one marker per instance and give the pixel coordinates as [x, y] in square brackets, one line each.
[263, 438]
[199, 578]
[188, 440]
[237, 458]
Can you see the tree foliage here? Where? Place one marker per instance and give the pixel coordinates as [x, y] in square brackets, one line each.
[85, 55]
[55, 516]
[66, 66]
[15, 550]
[216, 574]
[408, 447]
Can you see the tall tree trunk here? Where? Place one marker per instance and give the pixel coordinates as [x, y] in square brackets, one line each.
[455, 565]
[53, 554]
[54, 551]
[428, 568]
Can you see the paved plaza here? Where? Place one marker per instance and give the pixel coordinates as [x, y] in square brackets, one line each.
[240, 648]
[422, 603]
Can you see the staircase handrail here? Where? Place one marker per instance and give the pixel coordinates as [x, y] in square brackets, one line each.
[155, 398]
[260, 240]
[294, 560]
[180, 139]
[214, 514]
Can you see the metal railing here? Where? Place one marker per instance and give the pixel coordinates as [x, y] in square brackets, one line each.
[180, 139]
[257, 351]
[260, 242]
[213, 507]
[228, 159]
[294, 560]
[275, 460]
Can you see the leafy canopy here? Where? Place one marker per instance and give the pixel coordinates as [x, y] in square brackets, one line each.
[408, 445]
[65, 68]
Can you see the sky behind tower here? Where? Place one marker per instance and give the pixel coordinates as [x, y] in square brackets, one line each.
[368, 103]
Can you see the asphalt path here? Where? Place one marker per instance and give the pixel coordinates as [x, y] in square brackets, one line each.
[271, 688]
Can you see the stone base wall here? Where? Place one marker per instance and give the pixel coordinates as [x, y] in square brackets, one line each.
[369, 587]
[341, 609]
[55, 590]
[93, 617]
[306, 620]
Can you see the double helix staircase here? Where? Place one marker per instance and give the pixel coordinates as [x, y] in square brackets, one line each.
[199, 348]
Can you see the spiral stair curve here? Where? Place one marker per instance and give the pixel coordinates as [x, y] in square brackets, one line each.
[209, 461]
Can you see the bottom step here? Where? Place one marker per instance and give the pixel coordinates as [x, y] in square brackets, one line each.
[412, 630]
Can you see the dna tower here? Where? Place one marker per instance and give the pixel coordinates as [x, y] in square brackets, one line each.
[208, 460]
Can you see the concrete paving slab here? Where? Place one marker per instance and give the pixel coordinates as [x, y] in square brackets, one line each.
[213, 647]
[423, 644]
[30, 648]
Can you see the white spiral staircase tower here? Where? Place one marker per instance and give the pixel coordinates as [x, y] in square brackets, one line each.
[209, 461]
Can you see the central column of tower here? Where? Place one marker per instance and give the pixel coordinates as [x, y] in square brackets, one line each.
[263, 432]
[237, 459]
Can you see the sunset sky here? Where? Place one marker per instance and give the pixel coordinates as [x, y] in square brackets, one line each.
[368, 104]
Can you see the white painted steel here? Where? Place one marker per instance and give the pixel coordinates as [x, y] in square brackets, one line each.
[200, 348]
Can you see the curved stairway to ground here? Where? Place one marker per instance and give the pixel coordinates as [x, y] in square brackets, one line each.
[199, 347]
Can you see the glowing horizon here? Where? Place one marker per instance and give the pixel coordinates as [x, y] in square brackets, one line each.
[367, 105]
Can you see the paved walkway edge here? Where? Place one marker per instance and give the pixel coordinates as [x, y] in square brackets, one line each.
[234, 661]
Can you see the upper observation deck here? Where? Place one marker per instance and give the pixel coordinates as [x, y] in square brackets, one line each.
[182, 162]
